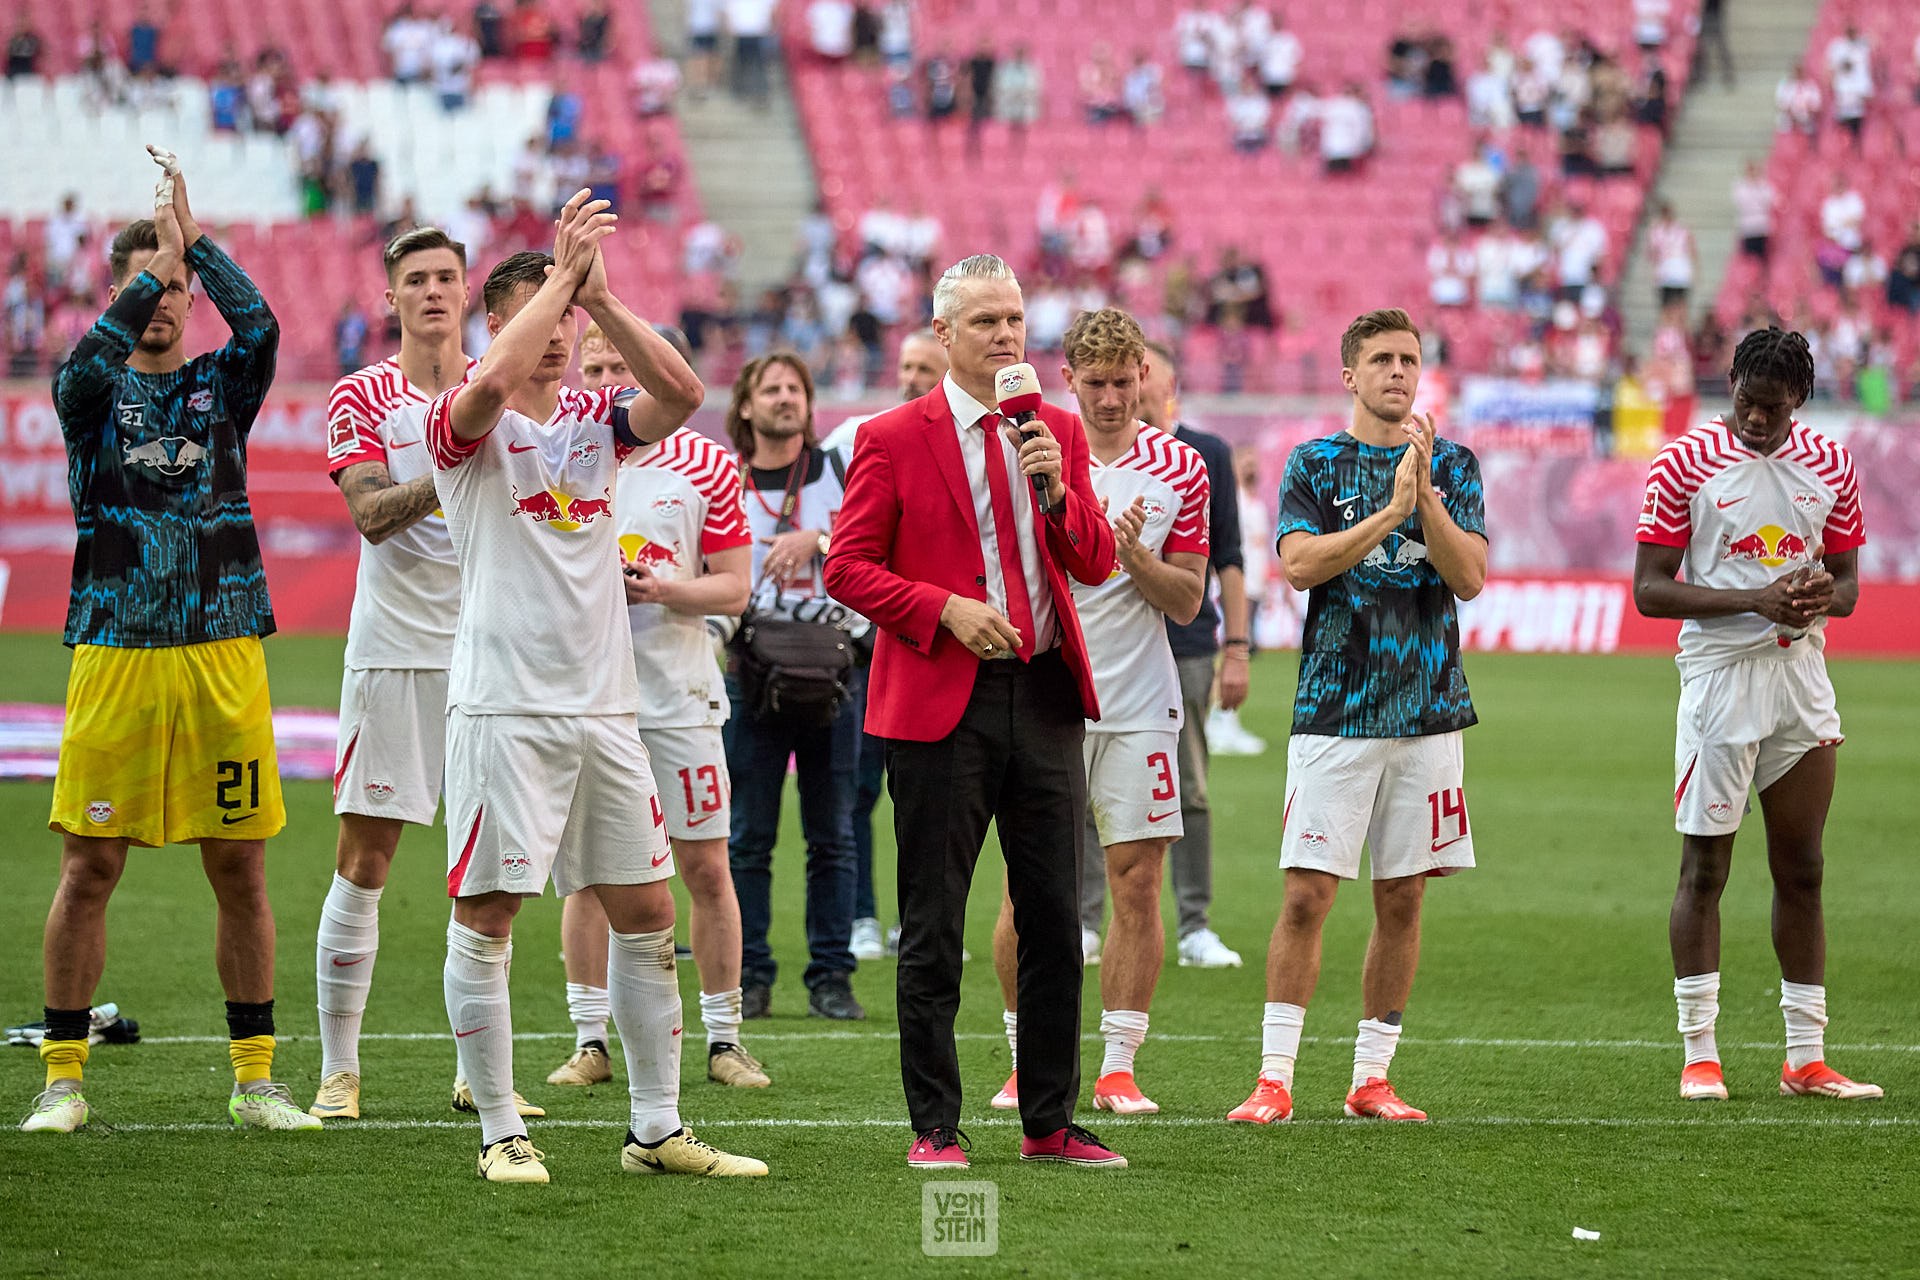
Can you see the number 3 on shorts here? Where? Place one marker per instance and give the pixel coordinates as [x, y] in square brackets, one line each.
[1162, 768]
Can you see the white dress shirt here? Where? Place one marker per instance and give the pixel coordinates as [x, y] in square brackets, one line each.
[967, 413]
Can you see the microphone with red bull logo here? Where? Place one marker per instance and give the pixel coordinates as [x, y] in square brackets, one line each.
[1017, 389]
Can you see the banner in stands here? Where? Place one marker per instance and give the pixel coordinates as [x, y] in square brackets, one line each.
[1560, 522]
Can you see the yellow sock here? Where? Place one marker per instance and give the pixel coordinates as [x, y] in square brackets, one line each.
[63, 1059]
[252, 1058]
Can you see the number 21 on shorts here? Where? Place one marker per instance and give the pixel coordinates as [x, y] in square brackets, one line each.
[1449, 809]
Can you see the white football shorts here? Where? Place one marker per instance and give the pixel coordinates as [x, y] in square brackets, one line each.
[566, 798]
[1404, 799]
[1742, 725]
[690, 773]
[392, 753]
[1133, 785]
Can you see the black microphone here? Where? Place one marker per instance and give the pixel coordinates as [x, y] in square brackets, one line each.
[1017, 389]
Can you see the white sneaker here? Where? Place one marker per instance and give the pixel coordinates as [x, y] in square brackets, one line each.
[1089, 946]
[866, 943]
[262, 1104]
[1202, 949]
[59, 1109]
[1227, 737]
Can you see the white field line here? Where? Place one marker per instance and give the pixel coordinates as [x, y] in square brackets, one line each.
[1459, 1042]
[1134, 1122]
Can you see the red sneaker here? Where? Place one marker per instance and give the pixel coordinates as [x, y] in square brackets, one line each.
[1819, 1079]
[1071, 1145]
[1268, 1103]
[943, 1148]
[1376, 1100]
[1702, 1080]
[1119, 1094]
[1008, 1099]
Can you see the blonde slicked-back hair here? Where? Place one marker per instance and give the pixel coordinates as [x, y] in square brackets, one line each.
[594, 336]
[1103, 339]
[1372, 325]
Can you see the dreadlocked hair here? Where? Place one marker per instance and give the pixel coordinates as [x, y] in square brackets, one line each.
[1779, 354]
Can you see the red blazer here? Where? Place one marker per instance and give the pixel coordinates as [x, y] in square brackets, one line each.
[906, 539]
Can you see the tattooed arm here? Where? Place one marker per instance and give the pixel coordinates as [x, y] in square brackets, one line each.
[381, 508]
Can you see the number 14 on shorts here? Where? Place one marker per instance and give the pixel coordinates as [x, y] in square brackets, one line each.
[1449, 809]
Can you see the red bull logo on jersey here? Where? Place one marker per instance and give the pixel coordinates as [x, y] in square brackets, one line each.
[635, 549]
[562, 511]
[1771, 545]
[169, 455]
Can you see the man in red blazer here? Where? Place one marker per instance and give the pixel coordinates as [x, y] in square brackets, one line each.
[981, 687]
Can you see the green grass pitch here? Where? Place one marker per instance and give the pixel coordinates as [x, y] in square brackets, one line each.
[1540, 1037]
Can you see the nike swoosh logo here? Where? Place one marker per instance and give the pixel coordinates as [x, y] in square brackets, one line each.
[676, 1031]
[462, 1035]
[338, 963]
[694, 822]
[1438, 845]
[228, 819]
[1729, 502]
[1341, 502]
[661, 860]
[519, 448]
[403, 444]
[1161, 817]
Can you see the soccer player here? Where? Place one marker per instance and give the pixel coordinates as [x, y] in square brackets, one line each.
[922, 363]
[685, 553]
[1158, 486]
[169, 729]
[406, 596]
[1382, 525]
[546, 774]
[1764, 515]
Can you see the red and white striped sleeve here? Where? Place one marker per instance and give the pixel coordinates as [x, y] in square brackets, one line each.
[1666, 514]
[1192, 524]
[449, 450]
[717, 478]
[353, 433]
[1846, 527]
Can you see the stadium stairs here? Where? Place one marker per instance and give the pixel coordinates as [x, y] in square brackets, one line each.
[1716, 132]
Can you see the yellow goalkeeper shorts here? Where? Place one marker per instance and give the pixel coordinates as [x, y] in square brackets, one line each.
[169, 746]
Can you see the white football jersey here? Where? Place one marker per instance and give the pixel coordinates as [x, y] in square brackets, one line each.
[674, 505]
[1133, 670]
[543, 616]
[1746, 519]
[406, 592]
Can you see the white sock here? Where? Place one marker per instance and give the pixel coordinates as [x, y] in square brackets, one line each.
[1124, 1030]
[646, 1008]
[1698, 997]
[720, 1012]
[1805, 1006]
[1373, 1050]
[1012, 1022]
[343, 965]
[1280, 1040]
[482, 1018]
[588, 1007]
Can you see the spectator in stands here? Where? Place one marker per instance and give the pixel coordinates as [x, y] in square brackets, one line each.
[1299, 127]
[751, 23]
[1650, 99]
[1280, 62]
[1576, 150]
[830, 32]
[363, 175]
[1903, 277]
[980, 75]
[708, 248]
[1016, 88]
[1249, 111]
[1090, 246]
[1239, 290]
[703, 46]
[1796, 101]
[941, 72]
[533, 33]
[1865, 272]
[404, 219]
[1152, 227]
[1532, 92]
[1142, 94]
[1450, 266]
[523, 228]
[1476, 183]
[1520, 193]
[1346, 130]
[1614, 143]
[26, 319]
[1059, 205]
[564, 110]
[1754, 200]
[1490, 100]
[408, 44]
[1572, 93]
[1406, 65]
[1580, 246]
[1850, 72]
[1843, 216]
[227, 97]
[455, 54]
[1670, 245]
[896, 33]
[1501, 259]
[1713, 32]
[62, 237]
[653, 85]
[1439, 81]
[143, 42]
[490, 29]
[900, 100]
[349, 337]
[1100, 85]
[595, 39]
[23, 48]
[1650, 23]
[657, 180]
